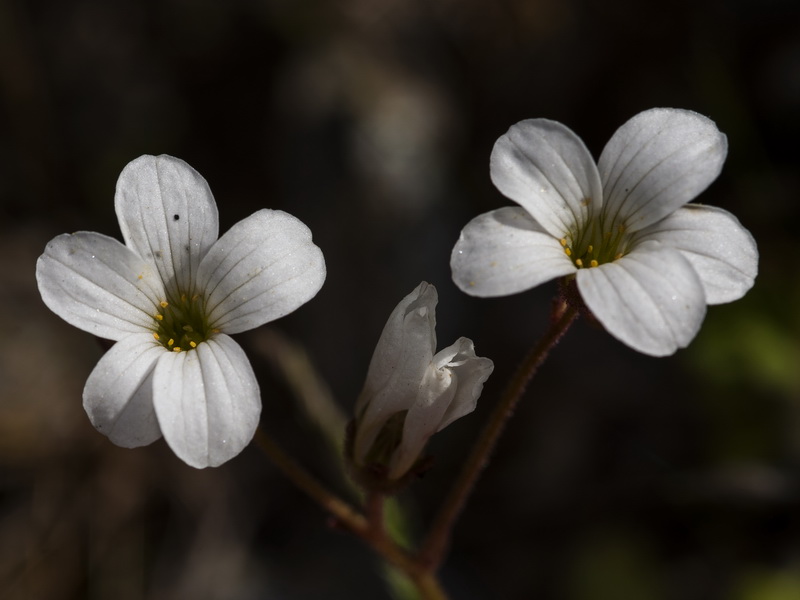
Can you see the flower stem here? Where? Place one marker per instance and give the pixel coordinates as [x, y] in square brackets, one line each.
[373, 507]
[432, 551]
[370, 530]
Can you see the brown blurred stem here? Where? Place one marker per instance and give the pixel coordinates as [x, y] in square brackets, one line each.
[434, 549]
[370, 530]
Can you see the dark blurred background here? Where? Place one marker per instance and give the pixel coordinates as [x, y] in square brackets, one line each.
[620, 477]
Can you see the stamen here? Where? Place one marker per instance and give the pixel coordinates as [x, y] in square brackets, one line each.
[590, 249]
[592, 263]
[568, 251]
[563, 242]
[181, 323]
[618, 256]
[578, 263]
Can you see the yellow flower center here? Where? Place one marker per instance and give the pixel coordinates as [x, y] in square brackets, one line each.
[182, 325]
[596, 244]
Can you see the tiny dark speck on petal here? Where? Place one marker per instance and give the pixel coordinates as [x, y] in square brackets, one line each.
[176, 217]
[158, 253]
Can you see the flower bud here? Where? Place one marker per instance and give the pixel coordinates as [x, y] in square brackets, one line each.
[411, 392]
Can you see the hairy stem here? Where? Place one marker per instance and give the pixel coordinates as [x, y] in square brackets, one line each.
[434, 548]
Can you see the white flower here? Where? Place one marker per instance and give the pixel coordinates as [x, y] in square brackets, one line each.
[410, 392]
[169, 298]
[646, 263]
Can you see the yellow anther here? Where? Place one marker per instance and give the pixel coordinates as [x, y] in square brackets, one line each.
[215, 330]
[195, 297]
[170, 342]
[164, 304]
[563, 242]
[193, 344]
[159, 317]
[578, 263]
[589, 249]
[568, 251]
[141, 277]
[176, 349]
[618, 256]
[593, 263]
[155, 335]
[187, 328]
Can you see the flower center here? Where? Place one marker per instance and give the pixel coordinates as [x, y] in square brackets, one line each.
[596, 245]
[182, 325]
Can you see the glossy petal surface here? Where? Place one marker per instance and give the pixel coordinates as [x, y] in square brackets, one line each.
[118, 396]
[263, 268]
[504, 252]
[96, 284]
[207, 401]
[544, 167]
[449, 390]
[723, 253]
[657, 162]
[168, 216]
[652, 299]
[402, 355]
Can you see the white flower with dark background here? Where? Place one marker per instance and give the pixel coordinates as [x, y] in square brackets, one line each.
[170, 297]
[646, 262]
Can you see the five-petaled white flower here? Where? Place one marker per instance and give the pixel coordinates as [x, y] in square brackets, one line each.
[646, 263]
[411, 392]
[169, 298]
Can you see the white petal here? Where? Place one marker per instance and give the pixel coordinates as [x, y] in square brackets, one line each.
[402, 355]
[263, 268]
[472, 372]
[546, 168]
[723, 253]
[96, 284]
[449, 390]
[651, 299]
[411, 325]
[505, 252]
[118, 396]
[167, 215]
[657, 162]
[436, 391]
[207, 401]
